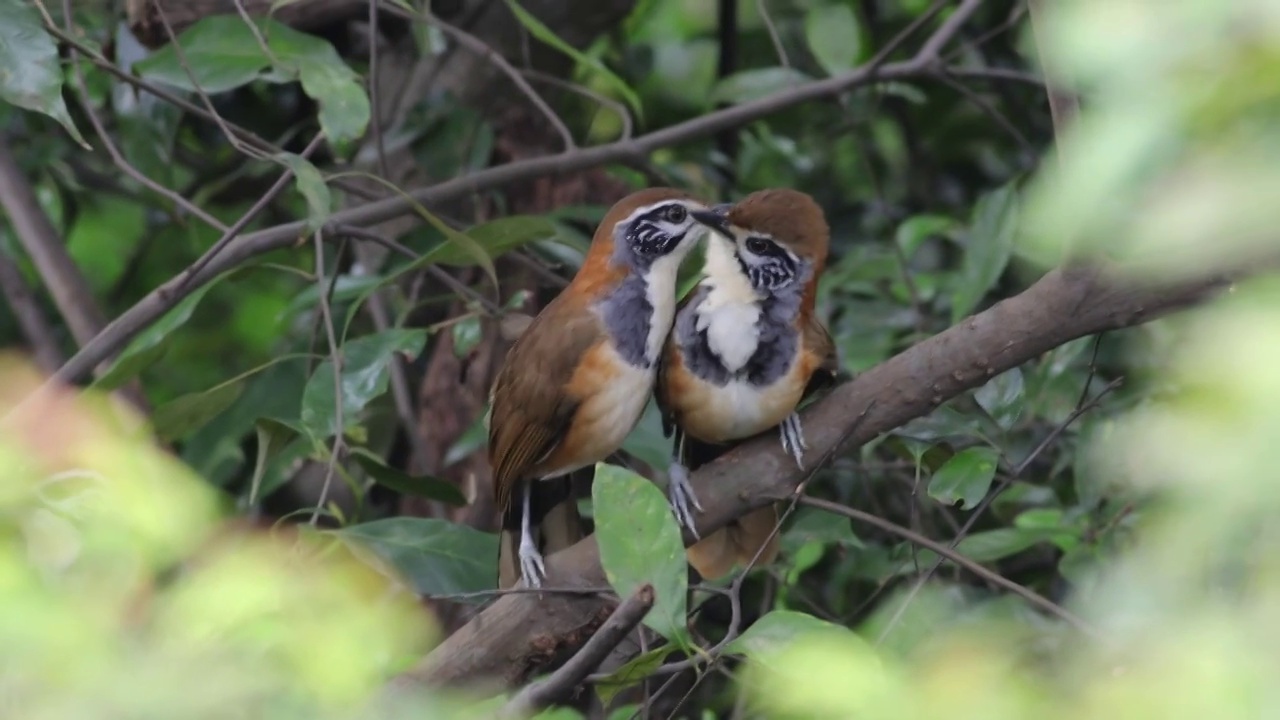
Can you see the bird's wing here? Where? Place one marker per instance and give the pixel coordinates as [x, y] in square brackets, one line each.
[531, 412]
[818, 342]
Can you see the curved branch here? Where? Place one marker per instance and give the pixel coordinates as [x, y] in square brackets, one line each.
[507, 640]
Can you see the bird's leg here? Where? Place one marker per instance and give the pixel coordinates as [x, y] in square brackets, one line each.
[793, 438]
[531, 566]
[681, 491]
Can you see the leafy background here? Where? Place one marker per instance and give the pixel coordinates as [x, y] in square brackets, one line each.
[332, 402]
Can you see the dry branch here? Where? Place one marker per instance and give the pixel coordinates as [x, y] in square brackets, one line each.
[507, 641]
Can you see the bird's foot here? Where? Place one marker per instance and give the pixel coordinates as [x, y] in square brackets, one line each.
[683, 499]
[793, 438]
[531, 565]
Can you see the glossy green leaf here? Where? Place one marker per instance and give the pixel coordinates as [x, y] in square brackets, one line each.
[809, 525]
[546, 35]
[434, 556]
[640, 544]
[314, 190]
[1002, 397]
[832, 33]
[751, 85]
[364, 372]
[631, 673]
[149, 345]
[178, 417]
[915, 230]
[997, 544]
[467, 334]
[991, 236]
[222, 53]
[30, 74]
[424, 486]
[779, 628]
[966, 477]
[497, 237]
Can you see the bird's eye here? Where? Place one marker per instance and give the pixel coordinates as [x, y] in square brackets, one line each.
[675, 213]
[757, 245]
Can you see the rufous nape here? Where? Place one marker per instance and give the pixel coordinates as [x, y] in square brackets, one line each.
[576, 381]
[746, 349]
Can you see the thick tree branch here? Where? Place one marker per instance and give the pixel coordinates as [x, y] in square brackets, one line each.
[245, 247]
[506, 641]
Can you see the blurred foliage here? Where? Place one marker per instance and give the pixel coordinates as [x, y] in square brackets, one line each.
[130, 585]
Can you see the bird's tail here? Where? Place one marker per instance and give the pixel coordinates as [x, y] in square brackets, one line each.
[737, 543]
[554, 522]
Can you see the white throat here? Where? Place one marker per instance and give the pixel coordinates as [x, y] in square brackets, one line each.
[730, 312]
[660, 290]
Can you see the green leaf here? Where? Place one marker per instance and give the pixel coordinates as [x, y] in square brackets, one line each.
[314, 190]
[814, 526]
[273, 434]
[365, 370]
[151, 343]
[180, 416]
[425, 486]
[631, 673]
[1002, 397]
[832, 33]
[544, 33]
[640, 543]
[965, 477]
[779, 628]
[466, 335]
[223, 53]
[915, 230]
[497, 237]
[750, 85]
[30, 76]
[995, 222]
[994, 545]
[436, 557]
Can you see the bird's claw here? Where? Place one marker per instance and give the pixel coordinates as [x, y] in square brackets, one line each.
[793, 438]
[531, 565]
[683, 496]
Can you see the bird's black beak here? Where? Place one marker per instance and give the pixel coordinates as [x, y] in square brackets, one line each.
[715, 219]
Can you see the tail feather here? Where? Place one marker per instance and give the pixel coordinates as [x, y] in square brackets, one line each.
[737, 543]
[554, 520]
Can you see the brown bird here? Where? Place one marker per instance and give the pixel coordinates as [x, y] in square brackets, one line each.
[575, 383]
[745, 350]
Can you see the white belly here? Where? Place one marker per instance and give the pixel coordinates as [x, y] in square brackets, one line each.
[742, 410]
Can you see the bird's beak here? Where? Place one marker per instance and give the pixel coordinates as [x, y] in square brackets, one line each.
[714, 218]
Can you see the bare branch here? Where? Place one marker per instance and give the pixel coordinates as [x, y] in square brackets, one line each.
[543, 693]
[66, 284]
[480, 47]
[155, 304]
[35, 326]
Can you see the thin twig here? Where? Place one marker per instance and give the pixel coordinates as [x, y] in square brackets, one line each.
[467, 293]
[618, 108]
[230, 234]
[335, 355]
[543, 693]
[943, 551]
[774, 37]
[82, 93]
[481, 48]
[375, 124]
[989, 498]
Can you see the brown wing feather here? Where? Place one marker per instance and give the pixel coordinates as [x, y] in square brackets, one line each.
[818, 342]
[531, 412]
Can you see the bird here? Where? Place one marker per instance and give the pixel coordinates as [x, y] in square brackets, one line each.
[576, 381]
[745, 350]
